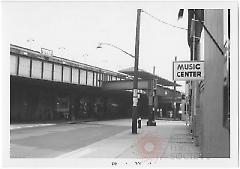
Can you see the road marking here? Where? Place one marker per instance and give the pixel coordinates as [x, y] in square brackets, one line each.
[77, 153]
[15, 127]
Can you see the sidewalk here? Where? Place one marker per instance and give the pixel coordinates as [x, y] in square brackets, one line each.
[169, 139]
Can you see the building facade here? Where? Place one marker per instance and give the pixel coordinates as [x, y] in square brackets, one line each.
[209, 40]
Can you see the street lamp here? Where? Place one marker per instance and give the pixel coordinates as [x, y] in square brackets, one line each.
[109, 44]
[135, 78]
[174, 98]
[135, 94]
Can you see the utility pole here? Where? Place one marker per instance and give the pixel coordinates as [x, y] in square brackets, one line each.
[152, 99]
[154, 93]
[174, 97]
[135, 79]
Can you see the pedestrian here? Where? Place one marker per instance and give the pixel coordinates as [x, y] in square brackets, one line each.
[180, 114]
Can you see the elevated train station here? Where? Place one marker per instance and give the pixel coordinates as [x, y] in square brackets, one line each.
[47, 88]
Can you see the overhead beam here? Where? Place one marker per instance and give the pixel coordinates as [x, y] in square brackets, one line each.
[124, 85]
[142, 85]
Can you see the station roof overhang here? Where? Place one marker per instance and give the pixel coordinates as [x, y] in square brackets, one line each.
[163, 91]
[142, 85]
[148, 76]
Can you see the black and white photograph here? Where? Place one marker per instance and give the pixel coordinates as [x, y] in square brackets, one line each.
[119, 83]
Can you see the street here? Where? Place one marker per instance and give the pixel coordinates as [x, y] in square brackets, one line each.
[51, 141]
[112, 138]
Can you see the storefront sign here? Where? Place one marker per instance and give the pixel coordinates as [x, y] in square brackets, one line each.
[188, 70]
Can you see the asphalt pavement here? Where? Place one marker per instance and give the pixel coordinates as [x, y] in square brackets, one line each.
[104, 139]
[54, 140]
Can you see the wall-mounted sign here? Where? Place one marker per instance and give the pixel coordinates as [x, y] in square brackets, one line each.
[188, 70]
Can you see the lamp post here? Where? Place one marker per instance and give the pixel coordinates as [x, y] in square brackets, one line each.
[135, 86]
[152, 100]
[101, 44]
[174, 98]
[135, 79]
[109, 44]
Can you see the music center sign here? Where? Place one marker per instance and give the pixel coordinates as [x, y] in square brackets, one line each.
[188, 70]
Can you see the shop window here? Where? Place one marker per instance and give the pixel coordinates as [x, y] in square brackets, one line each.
[62, 107]
[62, 104]
[83, 108]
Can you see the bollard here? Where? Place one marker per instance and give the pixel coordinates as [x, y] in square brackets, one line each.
[139, 123]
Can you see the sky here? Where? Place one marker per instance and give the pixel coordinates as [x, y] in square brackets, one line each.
[74, 29]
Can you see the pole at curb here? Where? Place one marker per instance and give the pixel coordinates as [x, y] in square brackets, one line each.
[135, 79]
[174, 98]
[154, 95]
[139, 123]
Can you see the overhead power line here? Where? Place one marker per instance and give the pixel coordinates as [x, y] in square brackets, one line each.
[164, 21]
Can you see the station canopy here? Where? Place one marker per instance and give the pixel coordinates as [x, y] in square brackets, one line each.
[147, 75]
